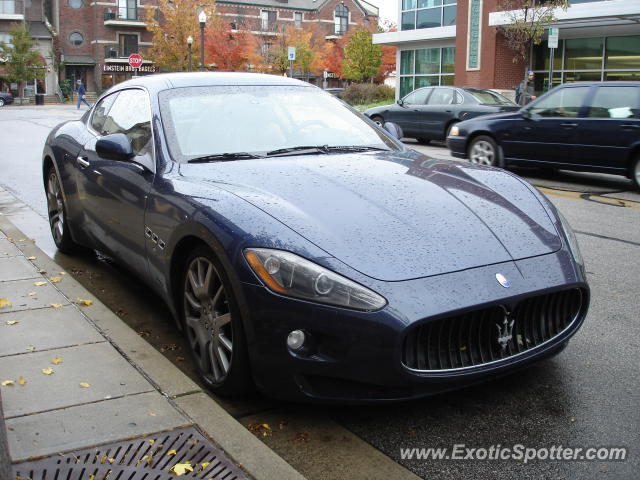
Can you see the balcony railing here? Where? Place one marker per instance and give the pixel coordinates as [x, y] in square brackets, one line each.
[11, 7]
[122, 13]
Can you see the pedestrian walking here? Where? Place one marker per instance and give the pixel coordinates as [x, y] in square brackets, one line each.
[525, 91]
[81, 92]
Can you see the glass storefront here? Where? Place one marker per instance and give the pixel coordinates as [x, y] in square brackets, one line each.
[426, 67]
[428, 13]
[588, 59]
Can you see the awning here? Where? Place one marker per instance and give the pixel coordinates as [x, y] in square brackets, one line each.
[79, 60]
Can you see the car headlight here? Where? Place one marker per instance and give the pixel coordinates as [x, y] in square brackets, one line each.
[293, 276]
[571, 238]
[454, 131]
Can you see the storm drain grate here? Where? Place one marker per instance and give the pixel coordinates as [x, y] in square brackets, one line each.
[150, 458]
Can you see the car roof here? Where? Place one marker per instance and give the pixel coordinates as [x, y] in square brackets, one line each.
[626, 83]
[165, 81]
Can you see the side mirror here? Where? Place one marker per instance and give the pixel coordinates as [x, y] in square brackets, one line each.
[394, 130]
[400, 102]
[115, 146]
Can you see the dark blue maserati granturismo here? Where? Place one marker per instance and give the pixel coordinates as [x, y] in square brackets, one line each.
[304, 249]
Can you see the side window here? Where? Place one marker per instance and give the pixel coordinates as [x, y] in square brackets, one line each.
[564, 102]
[615, 102]
[100, 113]
[418, 97]
[442, 96]
[131, 114]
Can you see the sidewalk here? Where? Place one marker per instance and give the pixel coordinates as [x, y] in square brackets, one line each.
[73, 377]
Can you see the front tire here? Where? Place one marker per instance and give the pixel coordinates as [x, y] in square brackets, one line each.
[213, 325]
[378, 120]
[57, 212]
[484, 151]
[635, 171]
[1, 102]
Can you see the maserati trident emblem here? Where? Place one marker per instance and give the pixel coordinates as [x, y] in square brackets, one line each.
[505, 331]
[502, 280]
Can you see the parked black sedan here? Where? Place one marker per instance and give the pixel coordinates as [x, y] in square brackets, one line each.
[5, 98]
[429, 113]
[592, 127]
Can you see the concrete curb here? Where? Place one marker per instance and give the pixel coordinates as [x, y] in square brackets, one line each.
[185, 395]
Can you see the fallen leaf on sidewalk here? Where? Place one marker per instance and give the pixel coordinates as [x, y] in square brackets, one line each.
[55, 279]
[47, 371]
[30, 348]
[260, 429]
[11, 322]
[171, 452]
[31, 258]
[82, 301]
[181, 468]
[103, 460]
[39, 284]
[151, 442]
[56, 305]
[56, 361]
[31, 294]
[85, 384]
[4, 303]
[62, 273]
[7, 383]
[22, 381]
[42, 271]
[92, 477]
[204, 465]
[179, 359]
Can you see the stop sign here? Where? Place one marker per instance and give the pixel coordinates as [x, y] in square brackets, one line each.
[135, 60]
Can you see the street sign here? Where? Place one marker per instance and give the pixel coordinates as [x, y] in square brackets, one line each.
[554, 34]
[292, 53]
[135, 60]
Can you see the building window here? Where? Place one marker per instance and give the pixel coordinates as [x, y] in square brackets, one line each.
[588, 59]
[297, 16]
[268, 20]
[428, 13]
[75, 3]
[8, 6]
[265, 49]
[76, 39]
[341, 19]
[426, 67]
[128, 9]
[6, 39]
[128, 44]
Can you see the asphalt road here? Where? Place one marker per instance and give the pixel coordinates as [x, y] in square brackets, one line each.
[588, 396]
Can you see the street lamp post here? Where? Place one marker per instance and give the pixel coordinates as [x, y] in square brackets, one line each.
[189, 44]
[203, 19]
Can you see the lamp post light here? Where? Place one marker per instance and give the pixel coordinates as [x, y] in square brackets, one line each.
[189, 44]
[203, 19]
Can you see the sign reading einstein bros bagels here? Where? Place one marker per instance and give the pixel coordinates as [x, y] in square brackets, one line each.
[123, 68]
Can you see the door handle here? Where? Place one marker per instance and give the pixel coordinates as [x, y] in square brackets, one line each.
[569, 124]
[82, 161]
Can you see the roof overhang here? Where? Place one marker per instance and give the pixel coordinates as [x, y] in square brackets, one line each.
[405, 37]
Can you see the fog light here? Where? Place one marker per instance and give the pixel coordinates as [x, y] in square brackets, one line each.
[296, 339]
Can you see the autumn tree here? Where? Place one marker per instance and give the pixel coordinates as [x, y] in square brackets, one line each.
[388, 65]
[308, 52]
[23, 62]
[231, 50]
[526, 21]
[177, 20]
[361, 57]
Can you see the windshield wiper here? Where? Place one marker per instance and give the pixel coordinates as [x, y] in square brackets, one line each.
[306, 149]
[300, 150]
[222, 157]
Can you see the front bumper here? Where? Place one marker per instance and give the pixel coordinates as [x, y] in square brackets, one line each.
[458, 146]
[357, 356]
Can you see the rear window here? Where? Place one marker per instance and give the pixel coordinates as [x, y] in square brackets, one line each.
[488, 97]
[616, 102]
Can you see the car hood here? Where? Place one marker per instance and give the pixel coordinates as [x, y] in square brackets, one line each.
[393, 218]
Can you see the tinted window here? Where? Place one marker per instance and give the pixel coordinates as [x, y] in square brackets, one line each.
[442, 96]
[100, 113]
[615, 102]
[131, 114]
[489, 98]
[564, 102]
[419, 97]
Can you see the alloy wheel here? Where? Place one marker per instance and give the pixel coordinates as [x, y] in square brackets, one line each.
[208, 320]
[482, 153]
[1, 102]
[378, 121]
[55, 206]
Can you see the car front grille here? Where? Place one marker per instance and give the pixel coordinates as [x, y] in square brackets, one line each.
[491, 334]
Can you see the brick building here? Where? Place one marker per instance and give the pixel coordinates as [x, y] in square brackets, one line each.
[446, 42]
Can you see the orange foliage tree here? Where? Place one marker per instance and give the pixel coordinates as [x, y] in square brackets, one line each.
[231, 50]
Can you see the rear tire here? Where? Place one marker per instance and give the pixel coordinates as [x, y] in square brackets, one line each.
[58, 219]
[635, 171]
[378, 120]
[484, 151]
[213, 324]
[1, 102]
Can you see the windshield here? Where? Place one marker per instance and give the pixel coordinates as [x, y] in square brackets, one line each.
[490, 98]
[209, 121]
